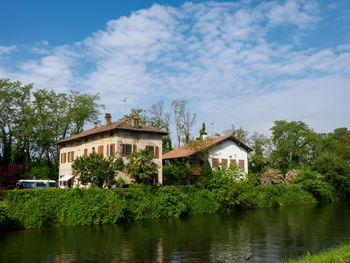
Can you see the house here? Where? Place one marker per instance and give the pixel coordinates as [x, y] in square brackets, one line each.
[120, 138]
[221, 151]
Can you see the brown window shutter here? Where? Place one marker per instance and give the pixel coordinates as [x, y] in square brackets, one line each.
[64, 157]
[215, 162]
[85, 152]
[241, 164]
[224, 163]
[100, 150]
[69, 157]
[72, 156]
[123, 149]
[233, 162]
[146, 148]
[157, 152]
[107, 150]
[134, 148]
[113, 149]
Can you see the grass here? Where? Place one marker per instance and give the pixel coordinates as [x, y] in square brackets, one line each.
[339, 254]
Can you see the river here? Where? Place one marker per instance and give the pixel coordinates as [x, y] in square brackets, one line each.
[260, 235]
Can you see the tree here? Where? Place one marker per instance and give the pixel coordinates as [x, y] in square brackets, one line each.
[201, 132]
[239, 133]
[258, 159]
[161, 120]
[294, 144]
[178, 107]
[141, 166]
[141, 113]
[96, 169]
[184, 120]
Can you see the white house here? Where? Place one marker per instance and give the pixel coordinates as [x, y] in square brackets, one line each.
[221, 151]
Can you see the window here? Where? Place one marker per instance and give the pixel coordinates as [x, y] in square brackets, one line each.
[150, 149]
[134, 148]
[215, 162]
[224, 163]
[40, 184]
[127, 149]
[85, 152]
[233, 162]
[241, 164]
[111, 134]
[52, 185]
[70, 157]
[112, 148]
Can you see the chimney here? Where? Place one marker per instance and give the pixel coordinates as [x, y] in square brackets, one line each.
[217, 135]
[95, 124]
[135, 121]
[108, 119]
[204, 136]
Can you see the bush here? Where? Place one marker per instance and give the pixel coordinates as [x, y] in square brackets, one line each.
[321, 190]
[271, 176]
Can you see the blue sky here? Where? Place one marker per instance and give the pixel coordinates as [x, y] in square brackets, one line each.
[246, 63]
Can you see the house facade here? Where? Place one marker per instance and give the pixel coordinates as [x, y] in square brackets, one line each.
[120, 138]
[221, 151]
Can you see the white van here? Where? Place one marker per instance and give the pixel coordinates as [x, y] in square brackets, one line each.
[36, 184]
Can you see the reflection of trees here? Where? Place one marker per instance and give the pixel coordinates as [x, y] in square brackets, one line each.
[265, 234]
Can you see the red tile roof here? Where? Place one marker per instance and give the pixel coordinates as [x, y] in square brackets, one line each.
[188, 149]
[118, 125]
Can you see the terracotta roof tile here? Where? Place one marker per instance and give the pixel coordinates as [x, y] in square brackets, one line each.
[188, 150]
[118, 125]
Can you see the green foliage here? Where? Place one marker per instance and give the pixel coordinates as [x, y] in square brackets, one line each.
[293, 143]
[43, 171]
[177, 173]
[258, 159]
[141, 166]
[97, 170]
[338, 254]
[139, 112]
[50, 207]
[321, 190]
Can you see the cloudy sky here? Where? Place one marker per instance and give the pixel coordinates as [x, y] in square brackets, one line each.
[246, 63]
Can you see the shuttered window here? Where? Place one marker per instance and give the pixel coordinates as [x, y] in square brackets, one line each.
[64, 157]
[100, 150]
[157, 152]
[150, 149]
[85, 152]
[215, 162]
[123, 149]
[134, 148]
[224, 163]
[241, 164]
[112, 148]
[128, 149]
[233, 162]
[107, 150]
[72, 156]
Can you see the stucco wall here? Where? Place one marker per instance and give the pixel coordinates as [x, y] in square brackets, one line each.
[228, 150]
[140, 139]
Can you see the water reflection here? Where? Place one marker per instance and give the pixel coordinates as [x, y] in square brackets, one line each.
[263, 235]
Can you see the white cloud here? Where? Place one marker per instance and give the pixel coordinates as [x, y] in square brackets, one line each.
[6, 50]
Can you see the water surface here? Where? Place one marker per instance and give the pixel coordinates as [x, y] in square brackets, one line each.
[261, 235]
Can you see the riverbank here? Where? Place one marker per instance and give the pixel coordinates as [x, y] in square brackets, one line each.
[59, 207]
[339, 254]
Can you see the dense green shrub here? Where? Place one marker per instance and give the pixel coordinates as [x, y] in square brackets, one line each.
[321, 190]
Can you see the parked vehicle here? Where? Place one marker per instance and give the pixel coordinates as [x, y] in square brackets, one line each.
[36, 184]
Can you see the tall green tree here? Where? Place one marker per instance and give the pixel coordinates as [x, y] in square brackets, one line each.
[293, 144]
[141, 113]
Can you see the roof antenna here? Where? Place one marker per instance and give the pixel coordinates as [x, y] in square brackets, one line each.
[124, 100]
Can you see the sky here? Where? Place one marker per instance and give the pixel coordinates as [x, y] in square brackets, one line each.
[246, 63]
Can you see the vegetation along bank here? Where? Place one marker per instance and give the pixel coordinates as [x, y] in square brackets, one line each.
[41, 208]
[339, 254]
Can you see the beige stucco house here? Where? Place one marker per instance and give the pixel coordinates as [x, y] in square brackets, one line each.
[120, 138]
